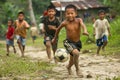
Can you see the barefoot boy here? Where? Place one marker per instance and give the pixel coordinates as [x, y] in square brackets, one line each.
[33, 32]
[20, 31]
[10, 37]
[50, 25]
[72, 43]
[101, 31]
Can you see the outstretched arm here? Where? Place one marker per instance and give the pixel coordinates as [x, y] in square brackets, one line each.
[85, 32]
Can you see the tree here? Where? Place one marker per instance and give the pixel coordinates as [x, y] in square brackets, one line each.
[32, 17]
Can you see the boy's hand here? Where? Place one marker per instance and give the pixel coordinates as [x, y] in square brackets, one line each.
[51, 27]
[12, 37]
[53, 41]
[94, 34]
[109, 34]
[86, 33]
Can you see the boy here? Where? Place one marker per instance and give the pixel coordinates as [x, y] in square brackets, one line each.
[72, 43]
[101, 31]
[10, 37]
[50, 25]
[34, 32]
[20, 30]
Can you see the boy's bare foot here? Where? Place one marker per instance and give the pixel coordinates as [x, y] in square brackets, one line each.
[103, 49]
[22, 55]
[96, 55]
[7, 54]
[79, 74]
[15, 51]
[69, 70]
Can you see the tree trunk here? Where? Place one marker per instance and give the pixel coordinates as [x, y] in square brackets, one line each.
[32, 17]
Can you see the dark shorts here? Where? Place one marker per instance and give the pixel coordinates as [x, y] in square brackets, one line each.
[10, 42]
[49, 38]
[99, 42]
[70, 46]
[34, 37]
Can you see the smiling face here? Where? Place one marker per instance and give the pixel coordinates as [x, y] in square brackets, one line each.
[51, 13]
[70, 14]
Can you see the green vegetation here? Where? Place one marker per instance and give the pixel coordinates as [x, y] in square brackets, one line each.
[15, 66]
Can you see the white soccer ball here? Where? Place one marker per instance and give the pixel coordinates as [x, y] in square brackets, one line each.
[61, 55]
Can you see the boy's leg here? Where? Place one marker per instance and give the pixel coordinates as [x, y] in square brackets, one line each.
[105, 39]
[48, 49]
[71, 62]
[7, 47]
[104, 45]
[19, 42]
[14, 49]
[98, 50]
[20, 47]
[76, 53]
[23, 41]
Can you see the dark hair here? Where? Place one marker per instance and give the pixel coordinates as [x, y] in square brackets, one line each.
[71, 6]
[10, 20]
[101, 11]
[21, 13]
[51, 7]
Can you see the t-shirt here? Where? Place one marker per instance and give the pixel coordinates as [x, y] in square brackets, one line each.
[101, 28]
[21, 28]
[34, 31]
[10, 32]
[46, 22]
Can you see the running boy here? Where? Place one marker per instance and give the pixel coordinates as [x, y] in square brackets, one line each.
[50, 25]
[33, 32]
[10, 37]
[20, 31]
[72, 43]
[101, 31]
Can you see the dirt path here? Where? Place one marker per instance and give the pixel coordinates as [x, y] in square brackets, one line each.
[99, 67]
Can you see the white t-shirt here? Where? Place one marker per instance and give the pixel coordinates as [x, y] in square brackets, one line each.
[101, 28]
[34, 31]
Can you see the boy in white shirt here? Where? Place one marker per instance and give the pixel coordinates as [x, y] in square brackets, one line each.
[101, 31]
[34, 32]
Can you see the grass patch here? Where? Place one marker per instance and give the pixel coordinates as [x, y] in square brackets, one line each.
[16, 66]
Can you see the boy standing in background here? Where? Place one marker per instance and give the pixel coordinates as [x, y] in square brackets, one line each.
[101, 31]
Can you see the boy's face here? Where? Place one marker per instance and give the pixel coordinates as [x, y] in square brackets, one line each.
[70, 14]
[9, 23]
[20, 17]
[102, 15]
[51, 13]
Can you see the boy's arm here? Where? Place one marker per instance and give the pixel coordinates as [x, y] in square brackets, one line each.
[27, 26]
[108, 27]
[57, 31]
[94, 26]
[52, 27]
[85, 32]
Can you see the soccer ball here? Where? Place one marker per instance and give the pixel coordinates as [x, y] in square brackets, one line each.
[61, 55]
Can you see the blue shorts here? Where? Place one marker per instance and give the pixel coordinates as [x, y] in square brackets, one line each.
[100, 42]
[10, 42]
[21, 39]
